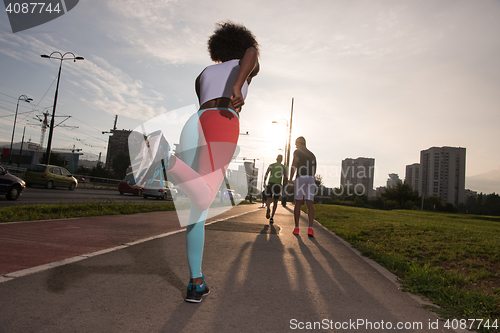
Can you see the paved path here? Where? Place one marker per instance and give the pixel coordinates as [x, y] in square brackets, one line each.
[262, 279]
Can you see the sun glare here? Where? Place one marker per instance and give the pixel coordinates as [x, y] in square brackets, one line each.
[277, 136]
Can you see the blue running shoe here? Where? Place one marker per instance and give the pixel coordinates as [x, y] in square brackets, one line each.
[195, 292]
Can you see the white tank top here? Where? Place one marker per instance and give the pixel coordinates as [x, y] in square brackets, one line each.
[217, 81]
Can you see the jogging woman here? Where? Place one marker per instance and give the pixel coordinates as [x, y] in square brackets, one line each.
[208, 139]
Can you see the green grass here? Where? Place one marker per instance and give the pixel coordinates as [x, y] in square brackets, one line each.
[72, 210]
[90, 208]
[452, 259]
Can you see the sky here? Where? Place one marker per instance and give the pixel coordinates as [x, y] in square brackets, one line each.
[378, 79]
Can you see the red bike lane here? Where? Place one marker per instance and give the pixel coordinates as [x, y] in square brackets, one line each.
[33, 243]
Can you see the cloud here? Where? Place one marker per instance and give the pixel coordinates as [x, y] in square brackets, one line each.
[100, 85]
[167, 30]
[113, 91]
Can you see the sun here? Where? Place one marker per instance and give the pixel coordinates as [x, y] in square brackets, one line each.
[276, 136]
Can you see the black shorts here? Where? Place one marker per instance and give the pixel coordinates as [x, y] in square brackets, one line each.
[273, 189]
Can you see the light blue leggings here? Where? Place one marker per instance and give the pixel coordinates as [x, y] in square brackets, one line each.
[195, 240]
[216, 127]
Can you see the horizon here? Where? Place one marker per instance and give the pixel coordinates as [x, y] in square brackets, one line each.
[379, 80]
[482, 183]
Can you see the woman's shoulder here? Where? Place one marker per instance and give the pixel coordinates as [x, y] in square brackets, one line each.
[221, 66]
[231, 62]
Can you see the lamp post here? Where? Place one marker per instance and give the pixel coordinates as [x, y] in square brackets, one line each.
[287, 142]
[59, 56]
[287, 147]
[21, 98]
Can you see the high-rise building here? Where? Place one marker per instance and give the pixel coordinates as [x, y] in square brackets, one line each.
[412, 175]
[118, 142]
[358, 174]
[442, 173]
[393, 180]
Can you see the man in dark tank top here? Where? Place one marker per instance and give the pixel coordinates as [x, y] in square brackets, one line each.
[304, 165]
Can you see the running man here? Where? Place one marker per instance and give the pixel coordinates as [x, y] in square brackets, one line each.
[274, 187]
[304, 163]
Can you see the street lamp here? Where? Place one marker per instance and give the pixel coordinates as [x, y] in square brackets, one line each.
[21, 98]
[59, 56]
[287, 148]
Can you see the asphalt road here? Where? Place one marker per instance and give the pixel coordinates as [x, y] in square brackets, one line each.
[129, 274]
[40, 195]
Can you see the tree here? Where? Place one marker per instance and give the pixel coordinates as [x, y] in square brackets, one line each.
[433, 203]
[120, 164]
[401, 194]
[82, 170]
[318, 180]
[99, 171]
[55, 159]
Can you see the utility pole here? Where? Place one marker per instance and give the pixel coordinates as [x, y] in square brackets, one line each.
[289, 140]
[21, 150]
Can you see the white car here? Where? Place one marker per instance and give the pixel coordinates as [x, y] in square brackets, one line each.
[163, 190]
[225, 195]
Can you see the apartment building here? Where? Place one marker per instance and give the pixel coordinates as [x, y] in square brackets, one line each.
[358, 174]
[393, 180]
[442, 173]
[412, 175]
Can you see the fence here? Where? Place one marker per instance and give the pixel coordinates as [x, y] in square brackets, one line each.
[96, 182]
[83, 180]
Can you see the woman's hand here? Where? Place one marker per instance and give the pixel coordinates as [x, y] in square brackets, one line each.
[237, 98]
[248, 68]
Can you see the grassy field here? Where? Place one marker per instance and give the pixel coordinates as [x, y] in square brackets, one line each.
[90, 208]
[452, 259]
[71, 210]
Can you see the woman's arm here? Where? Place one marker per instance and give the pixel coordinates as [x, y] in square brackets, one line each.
[248, 64]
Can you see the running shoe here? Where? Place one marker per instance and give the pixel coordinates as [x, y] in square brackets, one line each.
[195, 292]
[268, 213]
[271, 220]
[310, 232]
[296, 231]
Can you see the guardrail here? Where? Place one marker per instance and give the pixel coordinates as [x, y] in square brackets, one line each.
[84, 181]
[16, 171]
[96, 182]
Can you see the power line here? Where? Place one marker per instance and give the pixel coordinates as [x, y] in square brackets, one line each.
[10, 115]
[13, 104]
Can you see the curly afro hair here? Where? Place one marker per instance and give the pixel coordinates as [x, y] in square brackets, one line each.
[230, 41]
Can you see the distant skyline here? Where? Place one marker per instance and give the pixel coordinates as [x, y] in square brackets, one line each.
[381, 80]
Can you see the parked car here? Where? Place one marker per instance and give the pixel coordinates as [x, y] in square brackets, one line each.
[159, 190]
[125, 187]
[227, 194]
[81, 179]
[10, 186]
[49, 176]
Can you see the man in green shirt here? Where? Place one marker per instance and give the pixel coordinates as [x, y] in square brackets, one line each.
[278, 175]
